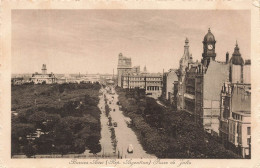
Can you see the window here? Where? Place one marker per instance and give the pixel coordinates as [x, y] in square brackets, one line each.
[248, 141]
[248, 130]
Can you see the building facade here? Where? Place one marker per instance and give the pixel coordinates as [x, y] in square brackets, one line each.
[129, 77]
[44, 77]
[235, 118]
[235, 107]
[217, 74]
[168, 85]
[200, 84]
[124, 66]
[189, 93]
[152, 83]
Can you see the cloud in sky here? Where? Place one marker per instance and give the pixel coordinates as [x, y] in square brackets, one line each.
[72, 41]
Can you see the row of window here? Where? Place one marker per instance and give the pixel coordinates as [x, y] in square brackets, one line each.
[134, 82]
[237, 117]
[142, 79]
[153, 88]
[41, 80]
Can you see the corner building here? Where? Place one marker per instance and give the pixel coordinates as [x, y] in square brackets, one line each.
[235, 107]
[201, 86]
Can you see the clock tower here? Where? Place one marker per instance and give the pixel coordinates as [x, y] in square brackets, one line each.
[208, 48]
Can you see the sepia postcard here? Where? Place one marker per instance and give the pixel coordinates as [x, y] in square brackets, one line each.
[129, 83]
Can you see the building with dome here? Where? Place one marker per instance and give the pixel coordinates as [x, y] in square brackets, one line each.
[218, 94]
[236, 66]
[235, 106]
[200, 83]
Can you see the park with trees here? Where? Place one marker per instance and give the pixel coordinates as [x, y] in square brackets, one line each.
[55, 119]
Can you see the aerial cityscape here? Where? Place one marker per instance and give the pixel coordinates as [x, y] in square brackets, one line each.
[200, 108]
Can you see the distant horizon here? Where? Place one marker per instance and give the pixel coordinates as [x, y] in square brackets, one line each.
[73, 41]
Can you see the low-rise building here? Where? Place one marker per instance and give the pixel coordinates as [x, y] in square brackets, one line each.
[17, 81]
[151, 82]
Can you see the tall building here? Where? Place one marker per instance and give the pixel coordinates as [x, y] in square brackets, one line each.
[43, 77]
[200, 85]
[235, 107]
[124, 66]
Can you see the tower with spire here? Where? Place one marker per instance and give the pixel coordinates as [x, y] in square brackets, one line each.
[236, 66]
[185, 61]
[186, 58]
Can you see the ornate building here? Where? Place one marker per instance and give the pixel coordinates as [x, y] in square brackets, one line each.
[43, 77]
[235, 107]
[202, 85]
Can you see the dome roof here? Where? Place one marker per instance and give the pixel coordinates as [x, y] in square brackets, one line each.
[236, 58]
[209, 36]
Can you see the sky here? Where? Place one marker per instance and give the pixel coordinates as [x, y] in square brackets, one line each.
[89, 41]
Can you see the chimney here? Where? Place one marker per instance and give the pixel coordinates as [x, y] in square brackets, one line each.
[227, 57]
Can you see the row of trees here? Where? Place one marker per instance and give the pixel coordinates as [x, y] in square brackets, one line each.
[178, 134]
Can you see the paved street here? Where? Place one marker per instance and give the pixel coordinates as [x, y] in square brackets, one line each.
[105, 141]
[124, 134]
